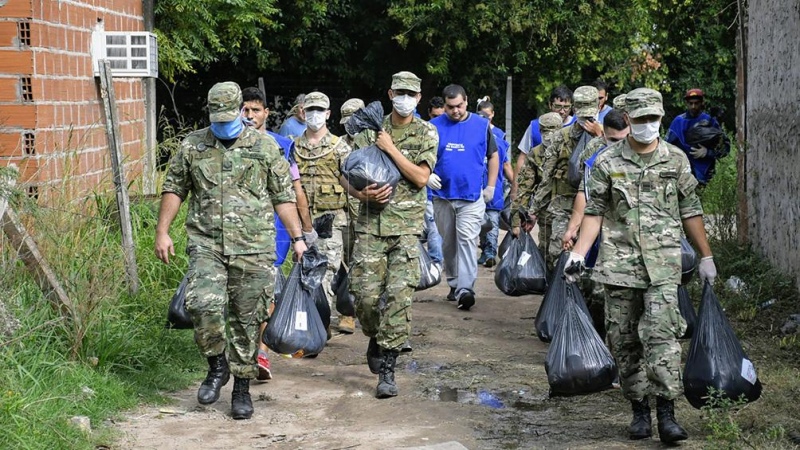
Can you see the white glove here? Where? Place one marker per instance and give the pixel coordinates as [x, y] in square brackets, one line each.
[311, 237]
[707, 269]
[434, 182]
[574, 267]
[488, 194]
[699, 152]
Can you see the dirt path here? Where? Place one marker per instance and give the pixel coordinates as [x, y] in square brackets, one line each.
[474, 378]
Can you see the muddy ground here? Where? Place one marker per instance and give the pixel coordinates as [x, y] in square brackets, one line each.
[474, 378]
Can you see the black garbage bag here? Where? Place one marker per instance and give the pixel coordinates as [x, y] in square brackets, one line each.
[370, 165]
[505, 244]
[295, 327]
[369, 117]
[687, 311]
[323, 307]
[575, 166]
[323, 225]
[716, 358]
[578, 362]
[177, 316]
[280, 281]
[555, 299]
[505, 214]
[705, 134]
[340, 284]
[429, 272]
[688, 261]
[312, 268]
[521, 270]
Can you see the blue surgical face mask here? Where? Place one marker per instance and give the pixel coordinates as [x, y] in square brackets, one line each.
[227, 130]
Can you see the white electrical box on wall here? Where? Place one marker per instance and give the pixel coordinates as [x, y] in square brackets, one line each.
[131, 54]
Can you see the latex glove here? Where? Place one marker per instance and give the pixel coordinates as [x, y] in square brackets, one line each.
[311, 237]
[698, 152]
[488, 193]
[707, 269]
[574, 268]
[434, 182]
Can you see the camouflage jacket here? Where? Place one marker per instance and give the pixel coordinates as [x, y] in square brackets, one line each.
[232, 190]
[594, 145]
[419, 142]
[528, 180]
[554, 194]
[642, 205]
[320, 168]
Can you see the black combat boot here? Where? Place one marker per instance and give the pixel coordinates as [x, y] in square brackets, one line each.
[241, 403]
[374, 356]
[386, 385]
[218, 376]
[641, 425]
[668, 429]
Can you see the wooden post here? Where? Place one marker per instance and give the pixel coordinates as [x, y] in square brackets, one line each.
[29, 253]
[261, 87]
[123, 202]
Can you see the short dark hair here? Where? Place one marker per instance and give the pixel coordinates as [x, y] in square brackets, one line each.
[600, 85]
[254, 94]
[453, 91]
[561, 92]
[615, 119]
[436, 102]
[485, 103]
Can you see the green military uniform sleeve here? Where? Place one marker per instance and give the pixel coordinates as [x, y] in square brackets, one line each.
[593, 146]
[541, 197]
[599, 185]
[279, 181]
[178, 179]
[364, 139]
[430, 147]
[688, 200]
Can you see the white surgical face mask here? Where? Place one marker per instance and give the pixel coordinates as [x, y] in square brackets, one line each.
[404, 104]
[645, 133]
[315, 119]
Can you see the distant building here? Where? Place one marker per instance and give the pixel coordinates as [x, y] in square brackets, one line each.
[52, 120]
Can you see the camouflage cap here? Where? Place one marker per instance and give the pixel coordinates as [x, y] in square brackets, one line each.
[550, 122]
[585, 100]
[407, 81]
[316, 100]
[643, 102]
[349, 107]
[224, 102]
[619, 102]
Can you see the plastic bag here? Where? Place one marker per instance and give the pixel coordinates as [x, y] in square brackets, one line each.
[505, 214]
[295, 327]
[555, 300]
[370, 165]
[177, 316]
[345, 302]
[716, 358]
[578, 362]
[313, 265]
[280, 282]
[504, 244]
[574, 169]
[705, 134]
[429, 272]
[323, 307]
[521, 270]
[369, 117]
[323, 225]
[687, 311]
[688, 261]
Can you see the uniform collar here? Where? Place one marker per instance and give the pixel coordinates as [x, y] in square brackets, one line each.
[661, 153]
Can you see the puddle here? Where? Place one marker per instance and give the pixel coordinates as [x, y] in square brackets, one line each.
[481, 397]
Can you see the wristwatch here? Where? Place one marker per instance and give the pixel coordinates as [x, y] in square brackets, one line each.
[298, 238]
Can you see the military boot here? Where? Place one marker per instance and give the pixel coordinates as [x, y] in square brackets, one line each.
[386, 384]
[218, 376]
[641, 425]
[668, 429]
[374, 356]
[241, 403]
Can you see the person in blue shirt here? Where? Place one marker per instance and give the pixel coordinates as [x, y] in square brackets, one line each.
[466, 147]
[602, 92]
[295, 124]
[701, 158]
[488, 238]
[430, 234]
[255, 113]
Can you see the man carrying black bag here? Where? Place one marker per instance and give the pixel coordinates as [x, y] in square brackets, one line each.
[641, 192]
[385, 252]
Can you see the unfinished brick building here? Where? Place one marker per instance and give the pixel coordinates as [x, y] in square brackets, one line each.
[52, 119]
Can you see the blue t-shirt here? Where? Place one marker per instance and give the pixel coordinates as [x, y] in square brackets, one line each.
[461, 157]
[502, 152]
[292, 127]
[536, 134]
[701, 168]
[282, 238]
[602, 114]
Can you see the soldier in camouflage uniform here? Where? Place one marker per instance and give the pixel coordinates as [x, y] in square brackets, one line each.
[529, 178]
[557, 191]
[641, 193]
[385, 268]
[233, 176]
[348, 109]
[319, 155]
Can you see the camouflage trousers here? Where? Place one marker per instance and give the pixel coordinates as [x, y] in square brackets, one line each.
[225, 298]
[383, 278]
[643, 328]
[551, 230]
[594, 295]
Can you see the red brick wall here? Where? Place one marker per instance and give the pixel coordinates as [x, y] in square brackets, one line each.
[52, 124]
